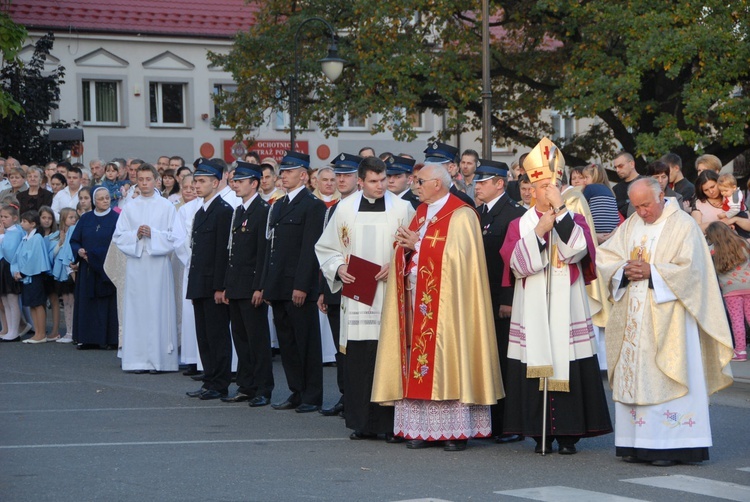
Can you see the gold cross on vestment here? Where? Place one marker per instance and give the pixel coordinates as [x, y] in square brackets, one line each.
[434, 238]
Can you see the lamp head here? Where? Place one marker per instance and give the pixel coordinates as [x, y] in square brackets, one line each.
[332, 64]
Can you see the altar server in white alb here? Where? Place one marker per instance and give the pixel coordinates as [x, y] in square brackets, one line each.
[363, 225]
[144, 234]
[668, 340]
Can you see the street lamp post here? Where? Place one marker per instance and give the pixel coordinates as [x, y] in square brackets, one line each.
[332, 66]
[486, 84]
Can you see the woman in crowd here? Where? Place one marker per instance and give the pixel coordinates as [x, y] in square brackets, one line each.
[187, 192]
[171, 190]
[707, 162]
[601, 201]
[84, 201]
[95, 295]
[57, 183]
[708, 199]
[17, 179]
[36, 196]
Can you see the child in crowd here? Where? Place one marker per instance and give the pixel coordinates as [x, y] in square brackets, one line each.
[734, 200]
[51, 236]
[29, 266]
[9, 287]
[730, 253]
[114, 186]
[62, 269]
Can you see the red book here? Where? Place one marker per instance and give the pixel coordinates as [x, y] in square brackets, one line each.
[364, 287]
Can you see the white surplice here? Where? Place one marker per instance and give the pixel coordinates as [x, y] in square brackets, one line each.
[183, 230]
[679, 423]
[370, 236]
[149, 310]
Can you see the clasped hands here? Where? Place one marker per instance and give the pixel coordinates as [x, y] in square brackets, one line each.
[144, 231]
[637, 270]
[406, 238]
[547, 220]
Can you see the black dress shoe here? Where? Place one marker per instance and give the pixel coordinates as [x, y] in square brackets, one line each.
[362, 435]
[333, 410]
[196, 393]
[547, 449]
[286, 405]
[191, 370]
[567, 450]
[259, 401]
[391, 438]
[306, 408]
[509, 438]
[135, 372]
[632, 459]
[455, 445]
[198, 377]
[419, 444]
[211, 394]
[664, 463]
[237, 398]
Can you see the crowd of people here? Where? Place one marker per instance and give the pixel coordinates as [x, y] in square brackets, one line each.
[464, 298]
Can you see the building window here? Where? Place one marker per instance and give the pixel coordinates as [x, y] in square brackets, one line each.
[101, 102]
[167, 103]
[221, 89]
[564, 126]
[346, 122]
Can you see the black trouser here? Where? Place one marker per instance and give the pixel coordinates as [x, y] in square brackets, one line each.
[298, 330]
[334, 319]
[214, 343]
[252, 341]
[502, 333]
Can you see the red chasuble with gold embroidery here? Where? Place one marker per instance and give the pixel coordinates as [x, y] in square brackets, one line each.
[444, 346]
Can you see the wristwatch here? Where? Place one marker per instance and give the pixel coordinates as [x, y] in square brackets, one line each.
[558, 210]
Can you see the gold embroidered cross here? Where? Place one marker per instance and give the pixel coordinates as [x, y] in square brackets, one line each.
[434, 238]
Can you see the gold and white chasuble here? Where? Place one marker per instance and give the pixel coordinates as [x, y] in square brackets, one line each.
[662, 363]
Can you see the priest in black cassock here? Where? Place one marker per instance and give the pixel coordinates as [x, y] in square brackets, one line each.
[95, 295]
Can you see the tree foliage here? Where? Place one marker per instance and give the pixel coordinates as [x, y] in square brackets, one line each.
[37, 90]
[657, 76]
[12, 37]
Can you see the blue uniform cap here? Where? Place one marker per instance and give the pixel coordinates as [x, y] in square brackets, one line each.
[204, 167]
[399, 165]
[487, 169]
[294, 160]
[346, 163]
[440, 153]
[246, 170]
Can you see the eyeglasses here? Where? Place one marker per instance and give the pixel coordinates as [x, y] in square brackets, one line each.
[620, 166]
[420, 181]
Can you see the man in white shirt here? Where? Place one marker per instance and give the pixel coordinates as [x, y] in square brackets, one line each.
[68, 196]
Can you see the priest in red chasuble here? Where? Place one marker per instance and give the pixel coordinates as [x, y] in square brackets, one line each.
[551, 253]
[437, 360]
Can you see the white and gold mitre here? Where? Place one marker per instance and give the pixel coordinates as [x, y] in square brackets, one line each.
[545, 161]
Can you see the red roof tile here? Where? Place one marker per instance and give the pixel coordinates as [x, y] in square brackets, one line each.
[194, 18]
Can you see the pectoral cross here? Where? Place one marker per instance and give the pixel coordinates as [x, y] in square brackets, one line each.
[434, 238]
